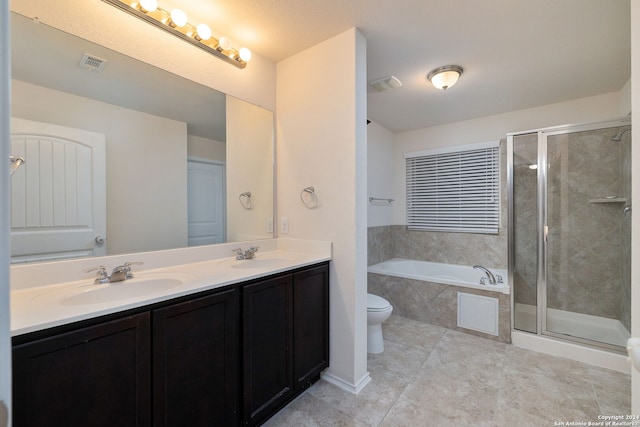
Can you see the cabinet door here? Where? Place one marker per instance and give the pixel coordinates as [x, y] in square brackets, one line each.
[195, 365]
[267, 347]
[311, 324]
[94, 376]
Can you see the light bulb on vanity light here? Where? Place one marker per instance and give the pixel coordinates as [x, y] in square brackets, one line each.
[224, 43]
[245, 54]
[178, 18]
[148, 6]
[203, 31]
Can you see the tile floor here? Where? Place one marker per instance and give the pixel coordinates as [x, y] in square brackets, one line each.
[432, 376]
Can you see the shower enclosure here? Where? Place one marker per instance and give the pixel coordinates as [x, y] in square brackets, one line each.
[570, 232]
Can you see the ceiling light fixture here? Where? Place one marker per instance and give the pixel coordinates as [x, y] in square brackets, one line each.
[445, 77]
[176, 23]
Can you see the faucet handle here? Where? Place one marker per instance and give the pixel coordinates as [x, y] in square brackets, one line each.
[101, 275]
[251, 252]
[239, 253]
[127, 268]
[130, 263]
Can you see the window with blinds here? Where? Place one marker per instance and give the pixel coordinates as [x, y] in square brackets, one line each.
[457, 190]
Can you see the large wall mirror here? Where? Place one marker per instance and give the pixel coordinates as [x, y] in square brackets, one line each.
[158, 161]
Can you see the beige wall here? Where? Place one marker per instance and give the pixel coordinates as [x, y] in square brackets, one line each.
[322, 143]
[380, 176]
[249, 168]
[146, 158]
[205, 148]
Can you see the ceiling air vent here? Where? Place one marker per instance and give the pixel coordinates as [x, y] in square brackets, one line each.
[93, 63]
[386, 83]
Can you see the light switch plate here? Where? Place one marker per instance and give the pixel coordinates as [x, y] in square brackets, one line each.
[284, 225]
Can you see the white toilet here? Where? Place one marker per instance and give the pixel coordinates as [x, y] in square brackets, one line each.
[378, 310]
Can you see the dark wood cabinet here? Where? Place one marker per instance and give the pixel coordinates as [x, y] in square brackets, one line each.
[225, 357]
[195, 362]
[285, 339]
[98, 376]
[267, 341]
[311, 325]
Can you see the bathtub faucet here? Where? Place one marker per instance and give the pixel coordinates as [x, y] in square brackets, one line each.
[490, 276]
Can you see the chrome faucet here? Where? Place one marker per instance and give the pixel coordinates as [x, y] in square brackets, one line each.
[490, 276]
[119, 273]
[101, 275]
[123, 272]
[248, 254]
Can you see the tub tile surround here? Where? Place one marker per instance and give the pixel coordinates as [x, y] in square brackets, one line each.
[447, 378]
[429, 302]
[436, 303]
[395, 241]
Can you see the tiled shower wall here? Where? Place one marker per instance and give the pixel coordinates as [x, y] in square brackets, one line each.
[588, 249]
[584, 248]
[625, 231]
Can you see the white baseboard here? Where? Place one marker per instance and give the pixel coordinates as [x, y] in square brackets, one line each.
[344, 385]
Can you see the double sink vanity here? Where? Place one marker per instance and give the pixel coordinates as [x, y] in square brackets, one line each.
[195, 337]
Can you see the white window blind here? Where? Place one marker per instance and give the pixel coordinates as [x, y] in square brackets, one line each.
[455, 191]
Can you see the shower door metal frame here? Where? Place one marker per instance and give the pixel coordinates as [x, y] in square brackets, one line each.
[542, 226]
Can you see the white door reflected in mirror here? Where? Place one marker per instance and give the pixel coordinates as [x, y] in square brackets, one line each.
[58, 197]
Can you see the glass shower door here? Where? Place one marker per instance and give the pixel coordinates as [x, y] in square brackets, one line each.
[524, 233]
[584, 296]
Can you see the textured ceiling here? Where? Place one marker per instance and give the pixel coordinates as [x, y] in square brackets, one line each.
[516, 53]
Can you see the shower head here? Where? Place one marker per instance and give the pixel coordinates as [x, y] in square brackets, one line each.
[618, 136]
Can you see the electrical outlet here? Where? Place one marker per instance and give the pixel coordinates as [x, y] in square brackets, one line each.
[284, 225]
[269, 225]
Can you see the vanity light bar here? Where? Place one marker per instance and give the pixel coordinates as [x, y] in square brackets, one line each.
[162, 18]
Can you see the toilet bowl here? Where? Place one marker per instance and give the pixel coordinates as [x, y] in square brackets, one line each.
[378, 310]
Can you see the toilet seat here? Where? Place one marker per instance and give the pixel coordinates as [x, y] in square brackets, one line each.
[377, 303]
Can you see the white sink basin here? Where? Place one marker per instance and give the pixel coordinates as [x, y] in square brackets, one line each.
[87, 293]
[132, 288]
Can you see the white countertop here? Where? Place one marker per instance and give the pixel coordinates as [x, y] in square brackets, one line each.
[47, 305]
